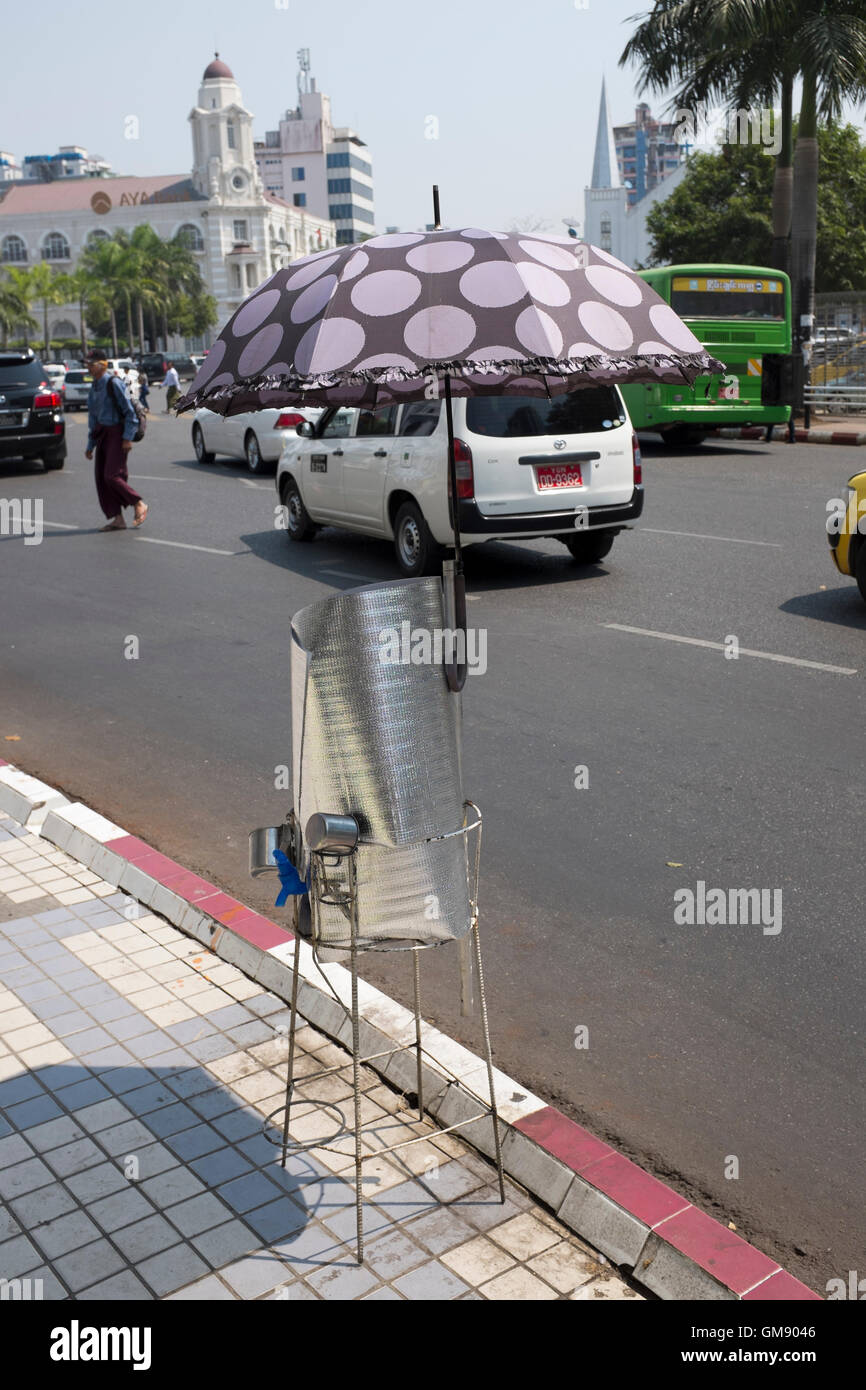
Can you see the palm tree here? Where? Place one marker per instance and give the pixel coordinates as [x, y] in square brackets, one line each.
[145, 251]
[104, 264]
[77, 289]
[14, 309]
[749, 52]
[22, 285]
[46, 285]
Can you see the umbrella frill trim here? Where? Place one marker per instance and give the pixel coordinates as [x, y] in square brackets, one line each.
[647, 366]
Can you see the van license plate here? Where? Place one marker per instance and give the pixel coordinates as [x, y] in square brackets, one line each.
[554, 475]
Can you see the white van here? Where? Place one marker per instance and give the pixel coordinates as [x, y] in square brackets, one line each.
[527, 467]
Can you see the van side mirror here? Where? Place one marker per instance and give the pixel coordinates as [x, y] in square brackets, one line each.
[304, 429]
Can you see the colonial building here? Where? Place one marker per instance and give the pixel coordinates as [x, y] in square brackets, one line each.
[624, 187]
[239, 231]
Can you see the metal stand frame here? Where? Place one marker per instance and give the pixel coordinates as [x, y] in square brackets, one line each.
[326, 890]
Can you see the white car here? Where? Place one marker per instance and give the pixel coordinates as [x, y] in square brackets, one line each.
[56, 374]
[76, 387]
[257, 436]
[527, 467]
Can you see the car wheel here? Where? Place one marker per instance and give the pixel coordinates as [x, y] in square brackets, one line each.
[51, 462]
[588, 550]
[682, 437]
[299, 527]
[202, 454]
[860, 569]
[417, 552]
[253, 454]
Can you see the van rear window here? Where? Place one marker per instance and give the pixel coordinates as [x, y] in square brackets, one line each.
[587, 410]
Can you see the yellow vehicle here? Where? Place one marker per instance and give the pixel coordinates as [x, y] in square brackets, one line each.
[846, 531]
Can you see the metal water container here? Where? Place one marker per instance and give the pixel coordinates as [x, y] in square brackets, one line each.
[378, 740]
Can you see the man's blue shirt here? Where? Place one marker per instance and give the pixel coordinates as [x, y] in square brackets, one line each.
[110, 405]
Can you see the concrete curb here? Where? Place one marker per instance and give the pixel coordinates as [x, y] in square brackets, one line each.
[780, 432]
[669, 1246]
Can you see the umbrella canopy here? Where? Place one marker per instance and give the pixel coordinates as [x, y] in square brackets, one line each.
[376, 322]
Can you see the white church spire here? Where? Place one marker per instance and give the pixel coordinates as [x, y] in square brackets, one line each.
[605, 173]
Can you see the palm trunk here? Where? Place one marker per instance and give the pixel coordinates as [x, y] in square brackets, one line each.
[83, 331]
[783, 183]
[45, 327]
[114, 351]
[141, 327]
[804, 215]
[128, 340]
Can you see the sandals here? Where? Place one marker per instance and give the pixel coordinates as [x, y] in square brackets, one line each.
[117, 525]
[140, 519]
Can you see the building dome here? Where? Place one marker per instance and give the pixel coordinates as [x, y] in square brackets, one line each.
[218, 69]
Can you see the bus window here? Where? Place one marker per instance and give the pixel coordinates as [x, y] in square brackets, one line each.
[727, 297]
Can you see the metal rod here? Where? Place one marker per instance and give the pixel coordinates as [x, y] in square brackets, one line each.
[290, 1068]
[356, 1062]
[485, 1026]
[452, 475]
[437, 217]
[416, 976]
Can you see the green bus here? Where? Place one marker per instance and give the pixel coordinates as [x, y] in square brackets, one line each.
[739, 313]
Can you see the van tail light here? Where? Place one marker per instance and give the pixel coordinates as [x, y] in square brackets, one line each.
[289, 419]
[636, 461]
[463, 468]
[50, 401]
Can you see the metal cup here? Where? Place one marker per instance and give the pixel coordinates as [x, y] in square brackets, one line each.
[263, 846]
[330, 834]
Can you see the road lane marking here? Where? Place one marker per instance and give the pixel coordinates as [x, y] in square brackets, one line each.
[155, 478]
[744, 651]
[697, 536]
[184, 545]
[61, 525]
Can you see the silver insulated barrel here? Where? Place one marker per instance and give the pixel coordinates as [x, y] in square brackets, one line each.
[376, 736]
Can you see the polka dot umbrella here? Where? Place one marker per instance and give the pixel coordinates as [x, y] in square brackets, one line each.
[474, 312]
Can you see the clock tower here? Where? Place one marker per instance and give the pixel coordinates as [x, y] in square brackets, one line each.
[224, 165]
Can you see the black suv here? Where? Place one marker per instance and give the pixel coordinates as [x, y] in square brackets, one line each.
[31, 412]
[156, 364]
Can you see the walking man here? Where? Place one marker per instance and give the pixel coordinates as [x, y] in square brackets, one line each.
[112, 424]
[172, 383]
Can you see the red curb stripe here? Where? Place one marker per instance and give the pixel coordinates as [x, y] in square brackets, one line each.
[781, 1287]
[189, 886]
[216, 903]
[722, 1253]
[562, 1138]
[205, 896]
[260, 931]
[130, 847]
[843, 437]
[644, 1196]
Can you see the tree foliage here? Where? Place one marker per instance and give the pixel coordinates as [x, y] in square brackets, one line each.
[720, 211]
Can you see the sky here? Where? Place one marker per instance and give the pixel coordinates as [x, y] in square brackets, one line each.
[512, 86]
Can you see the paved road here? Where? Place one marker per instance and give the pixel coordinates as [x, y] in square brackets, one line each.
[706, 1042]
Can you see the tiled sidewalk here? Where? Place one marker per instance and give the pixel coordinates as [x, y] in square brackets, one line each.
[135, 1072]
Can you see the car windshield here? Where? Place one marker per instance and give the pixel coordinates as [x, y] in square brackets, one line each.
[587, 410]
[30, 373]
[77, 378]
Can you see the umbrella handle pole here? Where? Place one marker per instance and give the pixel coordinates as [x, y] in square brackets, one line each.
[454, 608]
